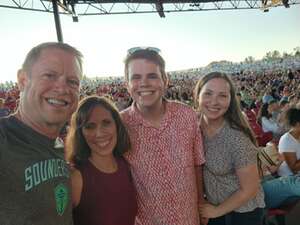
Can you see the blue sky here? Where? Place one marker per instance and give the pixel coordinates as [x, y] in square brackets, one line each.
[187, 40]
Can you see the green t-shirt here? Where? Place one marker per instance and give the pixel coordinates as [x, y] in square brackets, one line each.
[34, 178]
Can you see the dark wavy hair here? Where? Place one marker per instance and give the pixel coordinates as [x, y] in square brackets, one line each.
[77, 149]
[293, 116]
[234, 115]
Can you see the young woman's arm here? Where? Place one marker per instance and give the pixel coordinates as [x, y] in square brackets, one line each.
[249, 186]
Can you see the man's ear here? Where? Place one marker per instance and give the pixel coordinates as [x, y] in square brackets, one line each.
[22, 79]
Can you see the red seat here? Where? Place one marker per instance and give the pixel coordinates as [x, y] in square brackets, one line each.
[281, 212]
[250, 115]
[262, 137]
[277, 212]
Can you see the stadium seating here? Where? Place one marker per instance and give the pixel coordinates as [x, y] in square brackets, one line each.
[262, 137]
[277, 216]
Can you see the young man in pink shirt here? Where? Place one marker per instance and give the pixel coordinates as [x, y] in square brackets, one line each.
[167, 154]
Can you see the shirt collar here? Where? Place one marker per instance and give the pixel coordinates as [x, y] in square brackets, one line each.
[137, 119]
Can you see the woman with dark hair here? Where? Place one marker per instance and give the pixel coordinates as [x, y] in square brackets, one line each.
[289, 145]
[231, 180]
[102, 190]
[268, 120]
[286, 188]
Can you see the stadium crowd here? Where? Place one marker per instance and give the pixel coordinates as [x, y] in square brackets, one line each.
[254, 82]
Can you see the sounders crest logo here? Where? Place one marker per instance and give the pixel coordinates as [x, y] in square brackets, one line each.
[61, 198]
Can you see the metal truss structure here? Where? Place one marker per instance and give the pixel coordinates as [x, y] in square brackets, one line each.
[104, 7]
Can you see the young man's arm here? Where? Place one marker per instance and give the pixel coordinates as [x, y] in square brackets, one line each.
[199, 180]
[201, 199]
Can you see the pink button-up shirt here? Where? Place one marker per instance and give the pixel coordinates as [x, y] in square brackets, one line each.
[163, 164]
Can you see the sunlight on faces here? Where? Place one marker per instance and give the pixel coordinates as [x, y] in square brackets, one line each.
[145, 84]
[100, 132]
[214, 99]
[50, 89]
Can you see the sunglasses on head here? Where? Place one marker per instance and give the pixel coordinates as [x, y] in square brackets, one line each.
[136, 49]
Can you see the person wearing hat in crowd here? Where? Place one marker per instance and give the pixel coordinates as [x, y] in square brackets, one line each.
[34, 177]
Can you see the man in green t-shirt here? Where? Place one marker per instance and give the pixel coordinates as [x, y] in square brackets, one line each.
[34, 178]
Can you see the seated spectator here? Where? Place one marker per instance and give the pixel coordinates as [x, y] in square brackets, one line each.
[246, 96]
[285, 94]
[243, 105]
[294, 99]
[10, 103]
[267, 120]
[3, 110]
[267, 96]
[289, 145]
[283, 107]
[286, 188]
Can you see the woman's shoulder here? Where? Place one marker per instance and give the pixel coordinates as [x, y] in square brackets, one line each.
[234, 132]
[286, 139]
[238, 137]
[286, 135]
